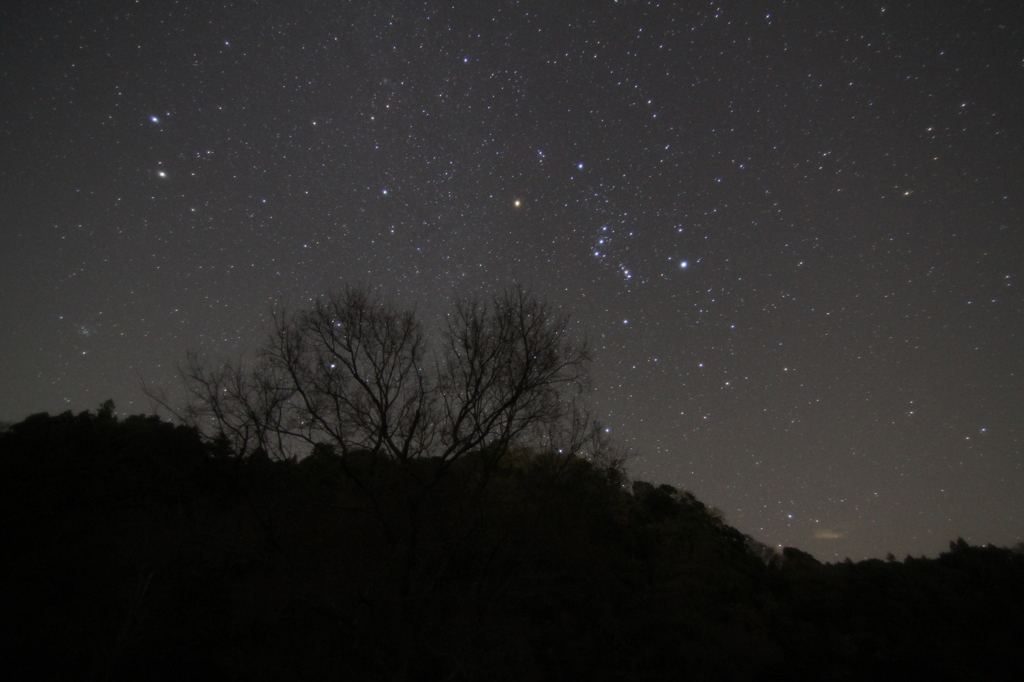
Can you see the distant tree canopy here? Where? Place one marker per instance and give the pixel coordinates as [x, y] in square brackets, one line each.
[139, 549]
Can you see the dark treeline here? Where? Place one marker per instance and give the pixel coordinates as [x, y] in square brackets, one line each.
[136, 549]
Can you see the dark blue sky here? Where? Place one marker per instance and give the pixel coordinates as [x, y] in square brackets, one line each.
[792, 230]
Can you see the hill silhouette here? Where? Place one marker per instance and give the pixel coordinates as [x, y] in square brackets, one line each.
[138, 549]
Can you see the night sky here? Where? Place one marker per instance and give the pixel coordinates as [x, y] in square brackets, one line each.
[792, 231]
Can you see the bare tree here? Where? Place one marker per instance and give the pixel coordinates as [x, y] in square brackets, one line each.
[354, 368]
[354, 372]
[510, 374]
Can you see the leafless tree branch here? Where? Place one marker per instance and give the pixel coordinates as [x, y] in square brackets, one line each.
[354, 372]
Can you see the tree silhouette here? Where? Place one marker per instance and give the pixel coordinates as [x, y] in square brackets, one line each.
[354, 372]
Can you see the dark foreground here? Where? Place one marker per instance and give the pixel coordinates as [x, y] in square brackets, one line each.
[132, 549]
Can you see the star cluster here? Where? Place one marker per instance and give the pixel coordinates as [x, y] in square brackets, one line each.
[791, 230]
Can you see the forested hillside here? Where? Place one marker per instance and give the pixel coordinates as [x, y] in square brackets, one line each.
[136, 549]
